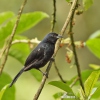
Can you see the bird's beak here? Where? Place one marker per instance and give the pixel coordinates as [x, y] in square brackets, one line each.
[59, 36]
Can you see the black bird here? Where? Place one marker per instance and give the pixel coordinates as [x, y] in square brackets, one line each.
[40, 55]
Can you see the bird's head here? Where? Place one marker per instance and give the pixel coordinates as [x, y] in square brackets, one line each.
[52, 38]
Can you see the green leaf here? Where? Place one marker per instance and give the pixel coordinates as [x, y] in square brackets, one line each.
[81, 94]
[62, 86]
[95, 35]
[96, 94]
[91, 81]
[19, 51]
[58, 95]
[37, 74]
[2, 91]
[5, 31]
[95, 67]
[9, 94]
[5, 16]
[85, 74]
[68, 1]
[94, 46]
[87, 4]
[27, 21]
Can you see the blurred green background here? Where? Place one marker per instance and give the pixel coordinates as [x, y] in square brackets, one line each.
[85, 25]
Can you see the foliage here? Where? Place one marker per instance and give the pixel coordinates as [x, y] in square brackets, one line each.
[5, 91]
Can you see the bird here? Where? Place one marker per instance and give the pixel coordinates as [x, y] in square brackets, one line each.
[40, 55]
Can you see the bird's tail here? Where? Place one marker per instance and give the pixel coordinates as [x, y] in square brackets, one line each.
[16, 77]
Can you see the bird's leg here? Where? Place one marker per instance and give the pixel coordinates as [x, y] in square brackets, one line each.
[43, 73]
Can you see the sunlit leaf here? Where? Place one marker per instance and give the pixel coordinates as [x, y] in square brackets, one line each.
[81, 94]
[87, 4]
[5, 16]
[2, 91]
[96, 94]
[58, 95]
[94, 46]
[95, 67]
[9, 94]
[27, 21]
[95, 35]
[62, 86]
[68, 1]
[5, 31]
[85, 74]
[91, 81]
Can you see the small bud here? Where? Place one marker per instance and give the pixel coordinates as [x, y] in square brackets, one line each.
[61, 45]
[69, 55]
[79, 44]
[78, 12]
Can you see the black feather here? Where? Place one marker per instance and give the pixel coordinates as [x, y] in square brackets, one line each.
[16, 77]
[40, 55]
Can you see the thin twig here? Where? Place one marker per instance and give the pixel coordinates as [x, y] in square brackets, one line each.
[53, 16]
[56, 48]
[26, 41]
[11, 37]
[74, 51]
[74, 4]
[74, 82]
[57, 70]
[52, 29]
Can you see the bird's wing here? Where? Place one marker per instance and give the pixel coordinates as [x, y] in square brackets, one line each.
[36, 54]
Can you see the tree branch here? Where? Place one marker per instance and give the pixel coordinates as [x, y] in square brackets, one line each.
[53, 16]
[26, 41]
[75, 54]
[74, 50]
[57, 70]
[8, 45]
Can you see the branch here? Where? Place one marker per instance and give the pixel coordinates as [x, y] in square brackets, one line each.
[8, 45]
[74, 4]
[74, 82]
[52, 29]
[72, 9]
[74, 50]
[26, 41]
[53, 16]
[57, 70]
